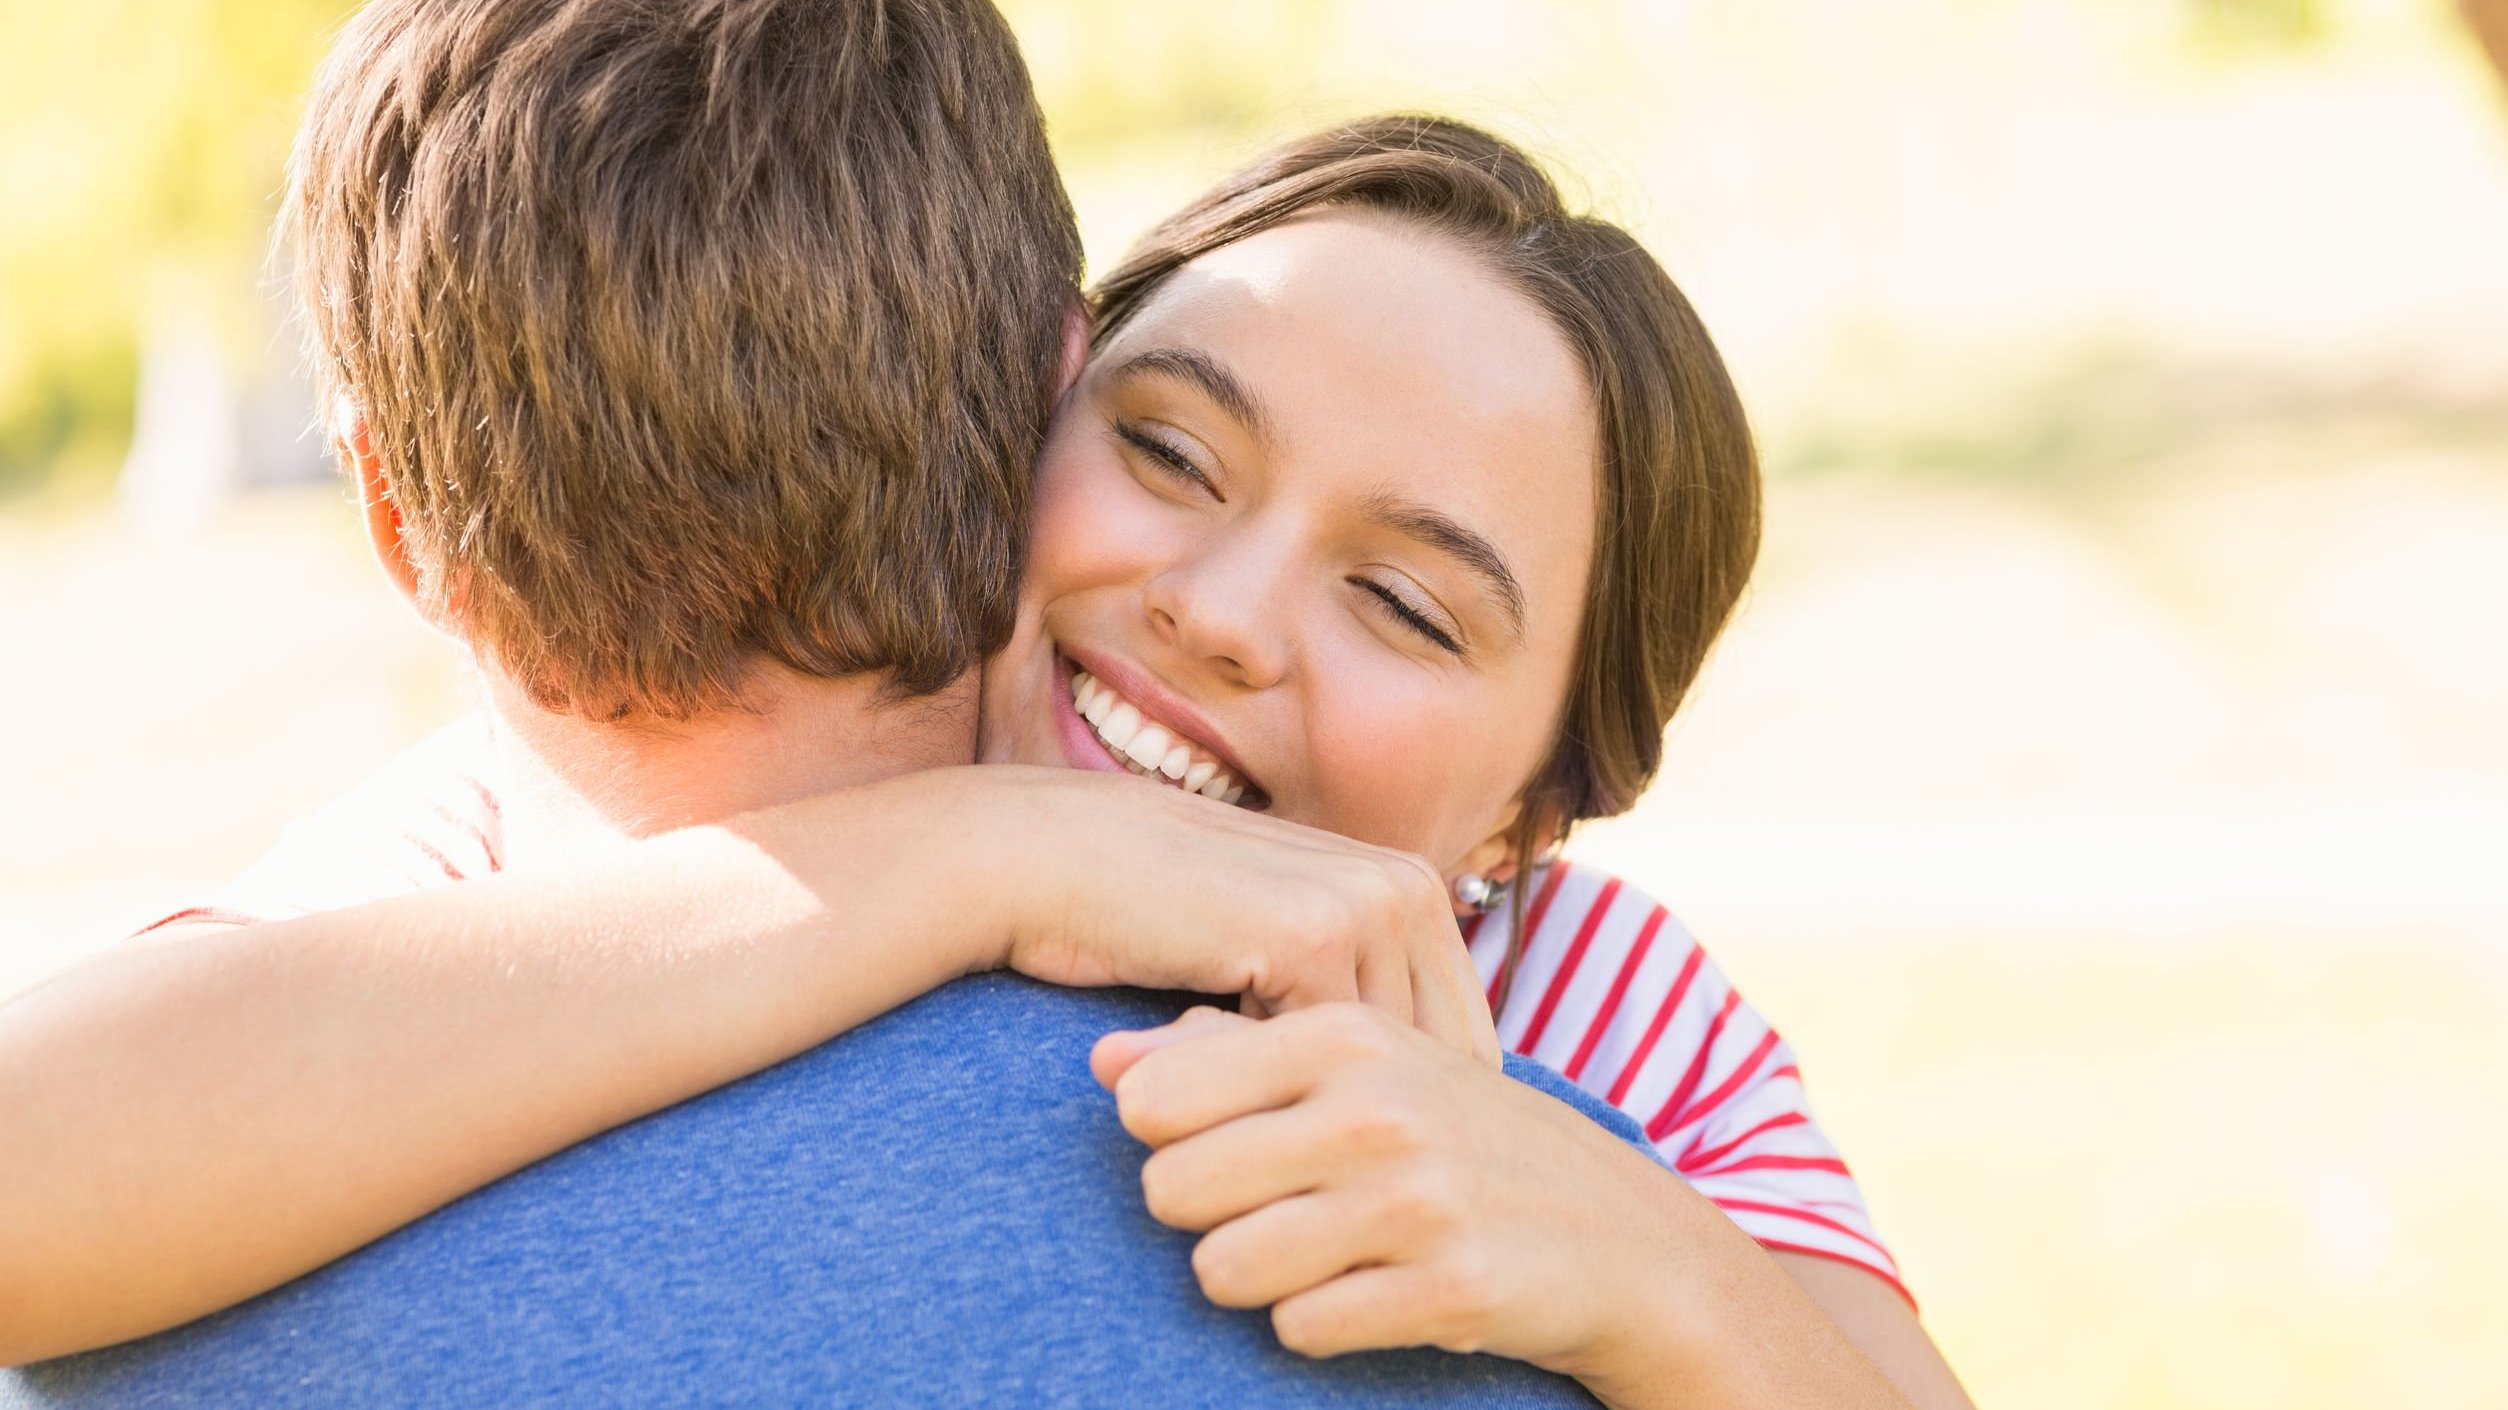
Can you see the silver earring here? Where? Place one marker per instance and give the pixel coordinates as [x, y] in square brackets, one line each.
[1477, 893]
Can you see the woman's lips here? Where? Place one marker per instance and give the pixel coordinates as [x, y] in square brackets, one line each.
[1101, 728]
[1080, 745]
[1153, 749]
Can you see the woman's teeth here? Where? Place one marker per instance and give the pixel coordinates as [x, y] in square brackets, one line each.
[1149, 748]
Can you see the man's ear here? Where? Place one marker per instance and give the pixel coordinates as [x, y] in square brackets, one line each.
[1075, 345]
[355, 444]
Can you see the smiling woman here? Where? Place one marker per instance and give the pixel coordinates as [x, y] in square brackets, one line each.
[1399, 502]
[1258, 523]
[1336, 473]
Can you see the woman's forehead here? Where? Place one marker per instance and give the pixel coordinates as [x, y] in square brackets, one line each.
[1385, 359]
[1381, 331]
[1362, 291]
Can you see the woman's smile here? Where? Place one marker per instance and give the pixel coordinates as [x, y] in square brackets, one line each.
[1145, 731]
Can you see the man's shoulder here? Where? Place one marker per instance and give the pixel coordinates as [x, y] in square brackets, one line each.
[1547, 1080]
[937, 1207]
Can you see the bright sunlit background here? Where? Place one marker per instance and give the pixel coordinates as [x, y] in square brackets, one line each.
[2105, 786]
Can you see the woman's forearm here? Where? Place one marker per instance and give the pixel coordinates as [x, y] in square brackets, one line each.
[1711, 1320]
[194, 1120]
[1882, 1324]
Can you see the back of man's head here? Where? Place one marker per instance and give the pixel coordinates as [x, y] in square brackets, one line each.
[689, 332]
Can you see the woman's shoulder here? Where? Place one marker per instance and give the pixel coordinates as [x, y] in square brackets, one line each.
[1590, 939]
[1610, 989]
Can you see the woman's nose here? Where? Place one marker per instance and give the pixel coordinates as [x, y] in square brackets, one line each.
[1228, 610]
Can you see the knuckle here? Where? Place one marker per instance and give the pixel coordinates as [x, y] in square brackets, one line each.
[1220, 1272]
[1426, 1200]
[1139, 1103]
[1352, 1030]
[1162, 1192]
[1397, 892]
[1299, 1330]
[1299, 929]
[1382, 1129]
[1411, 877]
[1467, 1296]
[1260, 973]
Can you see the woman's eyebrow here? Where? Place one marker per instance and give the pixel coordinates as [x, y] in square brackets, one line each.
[1213, 378]
[1415, 520]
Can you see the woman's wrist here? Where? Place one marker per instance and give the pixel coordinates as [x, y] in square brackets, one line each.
[1654, 1350]
[1667, 1330]
[1714, 1321]
[1036, 847]
[970, 835]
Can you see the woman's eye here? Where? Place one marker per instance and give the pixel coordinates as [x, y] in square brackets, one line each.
[1166, 456]
[1408, 615]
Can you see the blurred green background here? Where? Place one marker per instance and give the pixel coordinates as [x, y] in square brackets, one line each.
[2104, 786]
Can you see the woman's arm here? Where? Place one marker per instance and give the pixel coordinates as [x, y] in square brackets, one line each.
[1881, 1325]
[195, 1118]
[1375, 1194]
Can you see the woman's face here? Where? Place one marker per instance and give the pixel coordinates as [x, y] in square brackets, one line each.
[1321, 516]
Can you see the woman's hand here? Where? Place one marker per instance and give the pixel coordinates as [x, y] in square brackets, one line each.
[1113, 881]
[1376, 1191]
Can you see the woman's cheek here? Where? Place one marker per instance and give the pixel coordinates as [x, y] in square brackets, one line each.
[1396, 769]
[1092, 523]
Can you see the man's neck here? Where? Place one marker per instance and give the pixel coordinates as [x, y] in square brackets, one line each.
[571, 784]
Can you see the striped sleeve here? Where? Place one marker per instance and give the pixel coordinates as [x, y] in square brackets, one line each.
[426, 818]
[1616, 995]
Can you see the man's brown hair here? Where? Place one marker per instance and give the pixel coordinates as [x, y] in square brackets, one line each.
[689, 331]
[1677, 516]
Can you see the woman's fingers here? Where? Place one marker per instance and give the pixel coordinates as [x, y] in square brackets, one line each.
[1286, 917]
[1446, 998]
[1358, 1176]
[1384, 979]
[1335, 928]
[1390, 919]
[1288, 1247]
[1447, 1001]
[1237, 1167]
[1115, 1053]
[1369, 1309]
[1201, 1079]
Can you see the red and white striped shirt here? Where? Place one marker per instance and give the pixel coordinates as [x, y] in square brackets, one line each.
[1612, 992]
[1609, 990]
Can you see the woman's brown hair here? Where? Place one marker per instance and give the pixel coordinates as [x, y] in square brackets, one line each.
[1677, 511]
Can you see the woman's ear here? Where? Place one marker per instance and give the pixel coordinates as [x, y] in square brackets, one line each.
[1495, 858]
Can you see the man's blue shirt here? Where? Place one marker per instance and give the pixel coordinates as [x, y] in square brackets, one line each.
[936, 1208]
